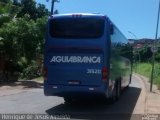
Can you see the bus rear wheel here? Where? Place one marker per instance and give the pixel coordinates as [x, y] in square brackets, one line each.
[116, 91]
[71, 100]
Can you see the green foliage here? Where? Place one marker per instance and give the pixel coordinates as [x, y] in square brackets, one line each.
[16, 3]
[8, 8]
[31, 71]
[157, 75]
[143, 55]
[22, 37]
[29, 7]
[41, 11]
[157, 55]
[4, 19]
[22, 63]
[145, 69]
[8, 11]
[5, 1]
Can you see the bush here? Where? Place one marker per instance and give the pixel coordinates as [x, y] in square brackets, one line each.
[31, 71]
[143, 69]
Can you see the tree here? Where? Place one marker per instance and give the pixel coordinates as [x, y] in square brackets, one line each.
[143, 54]
[5, 1]
[16, 3]
[29, 7]
[5, 6]
[8, 11]
[23, 39]
[42, 11]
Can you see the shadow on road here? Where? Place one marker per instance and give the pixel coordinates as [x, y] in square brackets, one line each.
[121, 110]
[25, 84]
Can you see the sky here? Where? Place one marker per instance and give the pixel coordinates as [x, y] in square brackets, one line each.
[137, 16]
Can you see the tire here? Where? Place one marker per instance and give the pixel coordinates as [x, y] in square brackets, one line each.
[116, 92]
[71, 100]
[127, 87]
[112, 99]
[68, 100]
[118, 89]
[130, 78]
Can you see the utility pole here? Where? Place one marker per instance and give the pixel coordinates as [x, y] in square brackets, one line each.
[52, 6]
[154, 43]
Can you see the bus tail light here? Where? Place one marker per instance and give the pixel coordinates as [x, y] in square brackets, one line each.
[45, 73]
[104, 74]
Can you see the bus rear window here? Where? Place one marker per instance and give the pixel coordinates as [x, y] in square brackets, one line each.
[77, 28]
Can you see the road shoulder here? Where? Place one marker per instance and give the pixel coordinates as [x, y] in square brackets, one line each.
[152, 98]
[19, 87]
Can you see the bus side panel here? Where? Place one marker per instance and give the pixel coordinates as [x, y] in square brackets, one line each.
[120, 62]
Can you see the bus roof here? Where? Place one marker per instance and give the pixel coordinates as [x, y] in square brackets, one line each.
[80, 14]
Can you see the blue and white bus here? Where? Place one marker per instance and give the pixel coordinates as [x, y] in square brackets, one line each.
[85, 56]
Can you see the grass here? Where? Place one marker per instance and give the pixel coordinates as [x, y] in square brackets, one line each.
[145, 70]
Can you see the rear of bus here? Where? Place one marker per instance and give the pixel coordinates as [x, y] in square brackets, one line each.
[76, 59]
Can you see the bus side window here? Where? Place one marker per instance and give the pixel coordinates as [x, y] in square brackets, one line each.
[111, 29]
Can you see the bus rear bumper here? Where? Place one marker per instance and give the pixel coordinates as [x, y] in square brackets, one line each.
[67, 91]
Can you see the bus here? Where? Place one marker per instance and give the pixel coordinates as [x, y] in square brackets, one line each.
[85, 56]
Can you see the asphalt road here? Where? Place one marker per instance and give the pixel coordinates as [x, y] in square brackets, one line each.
[33, 101]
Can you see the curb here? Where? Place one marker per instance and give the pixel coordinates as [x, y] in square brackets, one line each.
[147, 83]
[152, 98]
